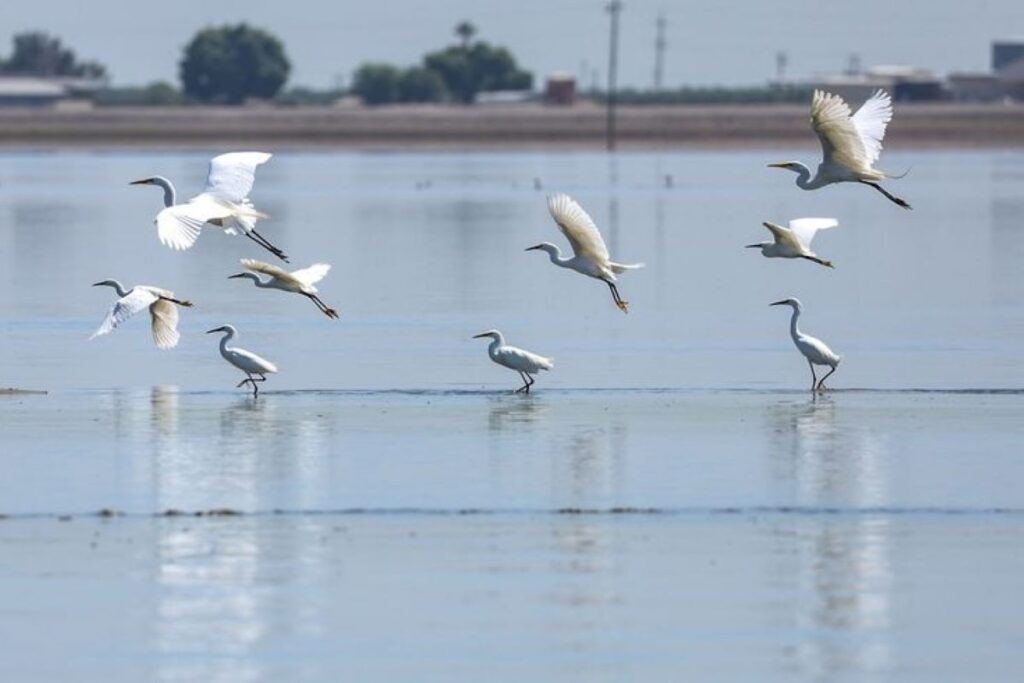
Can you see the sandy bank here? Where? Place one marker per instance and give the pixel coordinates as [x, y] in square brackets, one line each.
[946, 125]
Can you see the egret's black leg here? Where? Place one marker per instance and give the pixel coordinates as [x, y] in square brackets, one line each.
[248, 378]
[623, 306]
[328, 311]
[280, 254]
[180, 302]
[814, 378]
[526, 383]
[888, 195]
[531, 380]
[821, 383]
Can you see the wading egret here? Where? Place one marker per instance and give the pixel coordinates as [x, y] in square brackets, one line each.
[850, 145]
[815, 351]
[523, 362]
[246, 361]
[298, 281]
[224, 202]
[162, 311]
[590, 253]
[795, 241]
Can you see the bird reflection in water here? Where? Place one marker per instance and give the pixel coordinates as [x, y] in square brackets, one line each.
[840, 576]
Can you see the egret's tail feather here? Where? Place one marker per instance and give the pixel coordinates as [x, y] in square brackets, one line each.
[618, 268]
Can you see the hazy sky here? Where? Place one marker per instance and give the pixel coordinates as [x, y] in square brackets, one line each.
[709, 41]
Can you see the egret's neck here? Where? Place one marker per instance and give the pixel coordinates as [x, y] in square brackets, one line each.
[804, 180]
[496, 342]
[256, 280]
[228, 336]
[168, 187]
[555, 254]
[794, 330]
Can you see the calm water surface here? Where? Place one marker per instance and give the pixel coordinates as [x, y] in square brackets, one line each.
[670, 503]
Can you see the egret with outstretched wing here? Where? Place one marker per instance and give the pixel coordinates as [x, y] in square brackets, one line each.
[795, 241]
[162, 306]
[224, 202]
[590, 255]
[850, 144]
[298, 281]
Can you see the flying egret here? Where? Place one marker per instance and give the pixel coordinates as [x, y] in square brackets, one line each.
[298, 281]
[246, 361]
[795, 241]
[162, 311]
[850, 145]
[590, 253]
[815, 351]
[224, 202]
[523, 362]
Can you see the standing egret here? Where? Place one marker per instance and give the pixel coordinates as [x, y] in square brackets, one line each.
[246, 361]
[815, 351]
[523, 362]
[850, 145]
[590, 253]
[224, 202]
[298, 281]
[795, 241]
[162, 311]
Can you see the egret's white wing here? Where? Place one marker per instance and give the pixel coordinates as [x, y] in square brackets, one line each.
[131, 303]
[578, 227]
[240, 224]
[523, 360]
[178, 226]
[783, 236]
[840, 140]
[870, 121]
[313, 274]
[269, 269]
[247, 361]
[232, 175]
[164, 315]
[806, 228]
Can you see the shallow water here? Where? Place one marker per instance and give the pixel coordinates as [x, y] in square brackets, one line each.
[670, 503]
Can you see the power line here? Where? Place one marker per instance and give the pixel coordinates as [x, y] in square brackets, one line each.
[614, 8]
[659, 51]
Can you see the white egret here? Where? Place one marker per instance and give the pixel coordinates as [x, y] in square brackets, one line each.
[224, 202]
[795, 241]
[815, 351]
[246, 361]
[850, 145]
[162, 311]
[298, 281]
[523, 362]
[590, 253]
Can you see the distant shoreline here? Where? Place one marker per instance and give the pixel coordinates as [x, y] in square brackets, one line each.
[652, 127]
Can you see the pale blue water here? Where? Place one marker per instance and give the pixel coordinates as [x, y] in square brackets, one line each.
[670, 503]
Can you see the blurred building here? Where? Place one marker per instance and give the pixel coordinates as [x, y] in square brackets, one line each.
[904, 83]
[35, 91]
[560, 89]
[1004, 82]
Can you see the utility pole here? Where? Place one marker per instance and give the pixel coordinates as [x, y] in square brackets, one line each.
[613, 8]
[659, 51]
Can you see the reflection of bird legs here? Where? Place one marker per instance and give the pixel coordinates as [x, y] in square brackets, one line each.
[821, 384]
[623, 305]
[814, 378]
[888, 195]
[527, 382]
[249, 379]
[324, 308]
